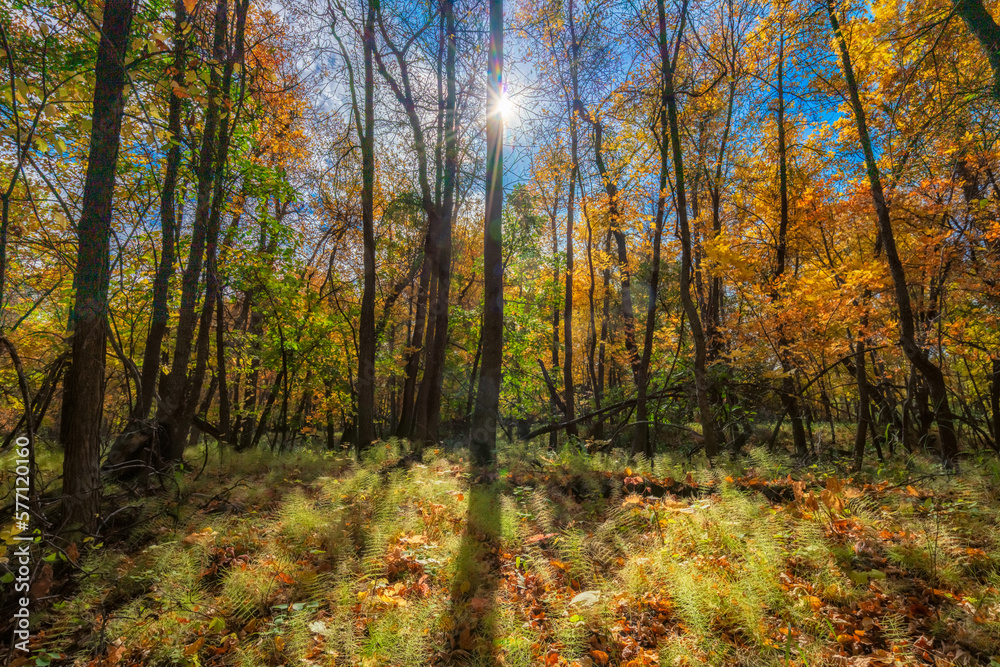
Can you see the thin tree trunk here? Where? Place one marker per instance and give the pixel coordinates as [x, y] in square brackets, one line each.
[255, 329]
[366, 345]
[473, 375]
[614, 222]
[788, 397]
[443, 264]
[715, 293]
[995, 399]
[701, 380]
[864, 414]
[598, 431]
[568, 388]
[212, 286]
[554, 436]
[979, 22]
[220, 368]
[917, 356]
[419, 433]
[168, 228]
[172, 392]
[265, 414]
[405, 427]
[83, 394]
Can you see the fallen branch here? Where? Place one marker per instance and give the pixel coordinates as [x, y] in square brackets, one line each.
[617, 407]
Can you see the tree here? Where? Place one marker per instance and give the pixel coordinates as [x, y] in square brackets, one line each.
[366, 347]
[168, 223]
[83, 395]
[916, 355]
[985, 29]
[670, 137]
[484, 420]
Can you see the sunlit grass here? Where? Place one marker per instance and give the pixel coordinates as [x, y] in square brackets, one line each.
[314, 559]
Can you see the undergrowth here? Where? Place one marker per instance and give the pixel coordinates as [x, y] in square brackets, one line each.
[568, 558]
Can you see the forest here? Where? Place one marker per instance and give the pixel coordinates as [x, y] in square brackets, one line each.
[486, 332]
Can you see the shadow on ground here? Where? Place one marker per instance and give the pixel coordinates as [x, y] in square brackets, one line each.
[473, 611]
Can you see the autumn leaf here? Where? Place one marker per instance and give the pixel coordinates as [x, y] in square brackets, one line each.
[193, 648]
[43, 582]
[600, 657]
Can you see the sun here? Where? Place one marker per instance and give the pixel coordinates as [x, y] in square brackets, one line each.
[505, 107]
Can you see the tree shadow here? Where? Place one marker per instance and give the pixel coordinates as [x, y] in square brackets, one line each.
[473, 609]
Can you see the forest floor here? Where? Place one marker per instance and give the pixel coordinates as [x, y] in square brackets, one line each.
[566, 559]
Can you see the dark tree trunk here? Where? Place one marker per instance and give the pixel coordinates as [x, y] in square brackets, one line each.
[979, 22]
[995, 399]
[702, 388]
[788, 397]
[366, 337]
[484, 421]
[427, 412]
[168, 228]
[172, 392]
[473, 375]
[83, 394]
[918, 357]
[574, 73]
[255, 329]
[591, 304]
[212, 285]
[598, 431]
[435, 372]
[614, 222]
[553, 214]
[220, 368]
[265, 414]
[405, 427]
[864, 412]
[715, 294]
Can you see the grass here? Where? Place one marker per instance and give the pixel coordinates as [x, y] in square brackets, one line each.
[313, 559]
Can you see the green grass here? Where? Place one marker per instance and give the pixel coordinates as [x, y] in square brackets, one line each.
[312, 558]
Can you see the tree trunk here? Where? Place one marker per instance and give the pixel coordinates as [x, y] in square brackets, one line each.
[917, 356]
[172, 392]
[168, 228]
[473, 375]
[246, 420]
[591, 304]
[702, 388]
[864, 414]
[212, 286]
[979, 22]
[484, 421]
[554, 436]
[614, 223]
[788, 398]
[568, 389]
[220, 368]
[435, 372]
[83, 394]
[366, 343]
[405, 427]
[598, 431]
[715, 294]
[995, 399]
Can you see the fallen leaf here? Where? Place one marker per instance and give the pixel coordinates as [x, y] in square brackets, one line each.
[193, 648]
[43, 583]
